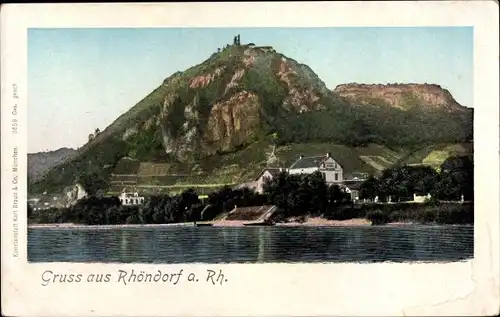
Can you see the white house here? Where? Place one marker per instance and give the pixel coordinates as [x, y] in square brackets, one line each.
[331, 170]
[266, 174]
[129, 199]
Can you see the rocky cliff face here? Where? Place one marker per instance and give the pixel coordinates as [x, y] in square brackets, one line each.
[225, 102]
[232, 122]
[401, 96]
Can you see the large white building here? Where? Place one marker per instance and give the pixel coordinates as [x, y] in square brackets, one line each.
[331, 170]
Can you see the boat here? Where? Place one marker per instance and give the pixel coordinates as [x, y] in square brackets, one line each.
[203, 224]
[258, 224]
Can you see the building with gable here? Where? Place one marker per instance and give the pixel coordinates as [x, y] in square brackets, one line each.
[131, 199]
[331, 170]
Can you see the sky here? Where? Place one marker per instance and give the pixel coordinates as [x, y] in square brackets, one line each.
[81, 79]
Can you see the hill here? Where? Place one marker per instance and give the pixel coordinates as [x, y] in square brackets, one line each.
[214, 121]
[41, 162]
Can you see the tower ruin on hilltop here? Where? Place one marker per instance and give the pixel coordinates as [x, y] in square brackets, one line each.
[236, 40]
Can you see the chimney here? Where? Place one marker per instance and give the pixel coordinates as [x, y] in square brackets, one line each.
[328, 154]
[301, 156]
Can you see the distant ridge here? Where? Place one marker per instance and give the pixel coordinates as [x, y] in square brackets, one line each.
[41, 162]
[402, 96]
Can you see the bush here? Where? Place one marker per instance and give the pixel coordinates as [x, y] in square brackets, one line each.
[455, 214]
[301, 219]
[343, 212]
[279, 216]
[211, 212]
[377, 217]
[52, 215]
[427, 216]
[397, 216]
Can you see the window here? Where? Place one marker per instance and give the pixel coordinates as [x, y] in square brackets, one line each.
[324, 175]
[335, 165]
[336, 176]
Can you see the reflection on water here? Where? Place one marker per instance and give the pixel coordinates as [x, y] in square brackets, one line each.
[251, 244]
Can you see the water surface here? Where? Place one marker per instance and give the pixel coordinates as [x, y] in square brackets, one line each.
[251, 244]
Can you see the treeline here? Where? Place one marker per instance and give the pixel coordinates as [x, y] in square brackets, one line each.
[109, 210]
[296, 196]
[185, 207]
[431, 212]
[454, 182]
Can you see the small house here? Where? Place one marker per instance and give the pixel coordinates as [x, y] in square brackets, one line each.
[266, 174]
[352, 188]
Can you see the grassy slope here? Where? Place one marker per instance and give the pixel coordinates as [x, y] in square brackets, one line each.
[435, 155]
[249, 162]
[244, 165]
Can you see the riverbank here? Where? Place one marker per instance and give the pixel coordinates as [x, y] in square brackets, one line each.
[292, 222]
[354, 215]
[83, 226]
[323, 222]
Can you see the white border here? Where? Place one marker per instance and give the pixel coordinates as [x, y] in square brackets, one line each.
[466, 288]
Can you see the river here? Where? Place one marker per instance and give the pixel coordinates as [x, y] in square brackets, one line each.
[251, 244]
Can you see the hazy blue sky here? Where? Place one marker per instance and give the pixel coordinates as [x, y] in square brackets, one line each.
[81, 79]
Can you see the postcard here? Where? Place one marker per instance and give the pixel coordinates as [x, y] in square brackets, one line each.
[244, 159]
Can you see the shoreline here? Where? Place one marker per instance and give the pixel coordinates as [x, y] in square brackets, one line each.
[311, 222]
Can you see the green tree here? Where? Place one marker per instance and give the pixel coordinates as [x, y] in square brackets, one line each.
[319, 193]
[30, 210]
[335, 195]
[278, 190]
[92, 183]
[424, 179]
[369, 189]
[395, 183]
[456, 179]
[300, 200]
[447, 188]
